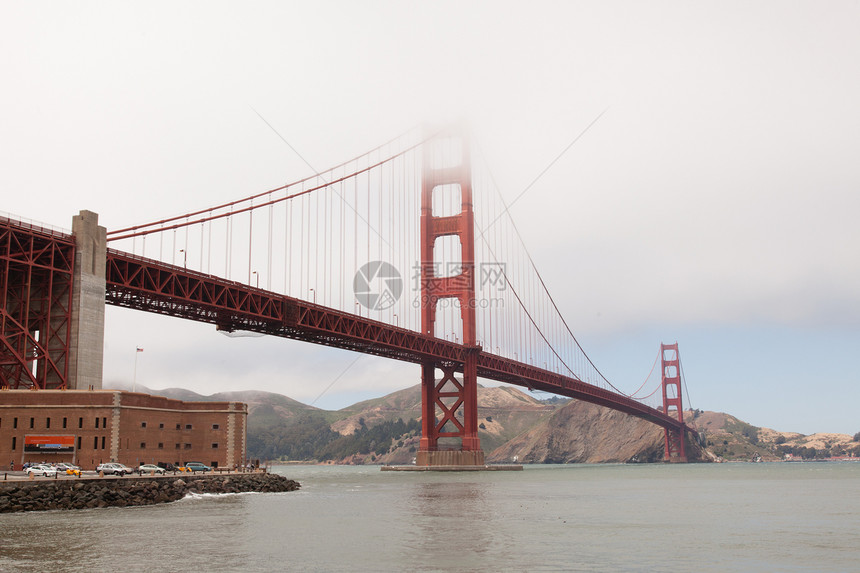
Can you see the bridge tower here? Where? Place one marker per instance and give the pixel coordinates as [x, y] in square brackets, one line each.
[671, 382]
[449, 404]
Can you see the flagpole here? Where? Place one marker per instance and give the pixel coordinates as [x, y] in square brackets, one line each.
[137, 350]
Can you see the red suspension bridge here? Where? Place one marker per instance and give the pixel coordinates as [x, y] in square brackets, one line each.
[406, 252]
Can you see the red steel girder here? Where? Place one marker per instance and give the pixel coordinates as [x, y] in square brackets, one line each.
[36, 267]
[153, 286]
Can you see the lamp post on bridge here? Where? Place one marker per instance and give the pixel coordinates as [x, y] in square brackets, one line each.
[314, 295]
[257, 276]
[184, 258]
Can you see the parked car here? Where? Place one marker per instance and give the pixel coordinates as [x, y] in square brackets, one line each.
[149, 468]
[68, 469]
[114, 469]
[41, 470]
[197, 467]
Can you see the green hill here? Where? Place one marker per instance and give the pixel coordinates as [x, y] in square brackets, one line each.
[512, 425]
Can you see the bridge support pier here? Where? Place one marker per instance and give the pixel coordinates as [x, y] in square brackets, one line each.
[675, 452]
[450, 411]
[87, 338]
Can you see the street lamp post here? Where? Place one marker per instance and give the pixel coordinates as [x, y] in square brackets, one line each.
[184, 258]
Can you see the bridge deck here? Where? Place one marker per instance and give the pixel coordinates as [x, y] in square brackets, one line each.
[152, 286]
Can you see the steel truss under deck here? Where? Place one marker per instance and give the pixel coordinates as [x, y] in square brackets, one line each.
[36, 273]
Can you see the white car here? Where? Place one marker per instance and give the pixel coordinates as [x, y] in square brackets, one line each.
[115, 469]
[66, 467]
[149, 468]
[41, 470]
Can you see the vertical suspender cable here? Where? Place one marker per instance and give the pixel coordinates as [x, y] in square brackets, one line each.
[202, 229]
[250, 241]
[269, 258]
[288, 231]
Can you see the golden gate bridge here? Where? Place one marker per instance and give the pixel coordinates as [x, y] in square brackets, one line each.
[407, 251]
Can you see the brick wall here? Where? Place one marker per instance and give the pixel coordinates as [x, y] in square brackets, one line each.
[127, 427]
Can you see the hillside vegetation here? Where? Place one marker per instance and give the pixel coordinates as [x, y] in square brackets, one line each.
[728, 438]
[513, 426]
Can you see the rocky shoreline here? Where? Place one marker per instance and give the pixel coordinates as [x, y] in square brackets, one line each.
[48, 494]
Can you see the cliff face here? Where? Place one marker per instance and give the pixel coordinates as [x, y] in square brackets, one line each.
[585, 433]
[580, 432]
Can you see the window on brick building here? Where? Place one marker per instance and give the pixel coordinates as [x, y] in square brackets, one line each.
[32, 422]
[161, 426]
[187, 426]
[14, 443]
[143, 424]
[103, 442]
[14, 422]
[215, 426]
[97, 422]
[178, 426]
[79, 442]
[80, 422]
[214, 445]
[65, 422]
[177, 446]
[142, 445]
[187, 446]
[104, 422]
[47, 422]
[160, 445]
[95, 442]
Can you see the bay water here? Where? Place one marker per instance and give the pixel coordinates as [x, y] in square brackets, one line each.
[654, 517]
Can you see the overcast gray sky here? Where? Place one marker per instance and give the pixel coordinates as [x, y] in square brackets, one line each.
[714, 203]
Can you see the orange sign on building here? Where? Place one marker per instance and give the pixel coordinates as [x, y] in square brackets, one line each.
[49, 444]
